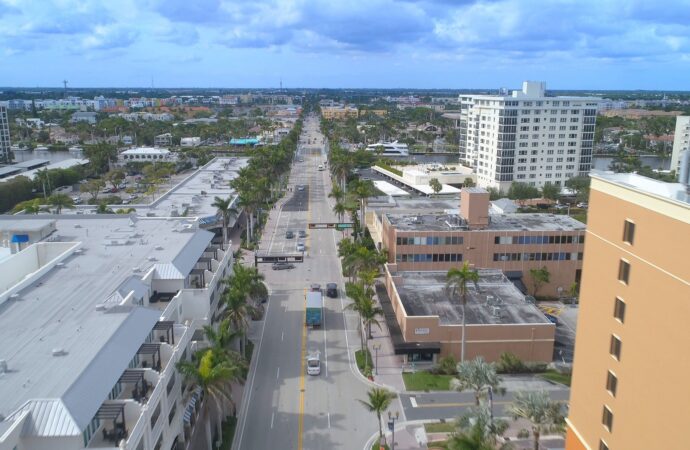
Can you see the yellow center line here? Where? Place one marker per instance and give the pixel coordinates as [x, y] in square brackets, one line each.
[455, 405]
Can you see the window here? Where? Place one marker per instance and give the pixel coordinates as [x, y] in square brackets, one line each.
[624, 271]
[616, 345]
[607, 418]
[603, 446]
[619, 310]
[611, 383]
[628, 232]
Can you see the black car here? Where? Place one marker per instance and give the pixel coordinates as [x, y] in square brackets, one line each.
[332, 290]
[289, 234]
[282, 266]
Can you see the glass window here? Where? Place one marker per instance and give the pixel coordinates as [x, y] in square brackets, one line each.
[603, 446]
[611, 383]
[616, 346]
[607, 418]
[624, 271]
[628, 232]
[619, 310]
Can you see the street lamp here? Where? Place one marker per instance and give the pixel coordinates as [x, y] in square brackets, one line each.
[391, 426]
[376, 347]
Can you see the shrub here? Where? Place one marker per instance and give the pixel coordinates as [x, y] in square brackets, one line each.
[510, 363]
[448, 366]
[523, 434]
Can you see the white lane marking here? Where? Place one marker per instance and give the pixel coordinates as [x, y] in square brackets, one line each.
[325, 342]
[413, 402]
[282, 336]
[329, 419]
[273, 415]
[278, 373]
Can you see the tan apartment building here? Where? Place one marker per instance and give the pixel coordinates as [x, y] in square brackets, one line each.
[630, 388]
[513, 243]
[425, 318]
[339, 112]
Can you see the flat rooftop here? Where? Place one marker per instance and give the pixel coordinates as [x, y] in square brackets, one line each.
[675, 192]
[58, 309]
[494, 300]
[213, 179]
[497, 222]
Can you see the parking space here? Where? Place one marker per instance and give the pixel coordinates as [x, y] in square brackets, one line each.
[566, 315]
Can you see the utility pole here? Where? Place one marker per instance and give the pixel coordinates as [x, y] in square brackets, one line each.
[64, 82]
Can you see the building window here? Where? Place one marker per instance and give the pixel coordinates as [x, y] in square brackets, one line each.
[619, 310]
[611, 383]
[603, 446]
[616, 345]
[607, 418]
[624, 271]
[629, 232]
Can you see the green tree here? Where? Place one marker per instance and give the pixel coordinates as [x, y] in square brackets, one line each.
[522, 191]
[435, 185]
[537, 407]
[92, 187]
[478, 430]
[114, 177]
[469, 182]
[28, 207]
[540, 277]
[60, 201]
[379, 399]
[580, 186]
[456, 280]
[238, 311]
[226, 210]
[100, 156]
[104, 209]
[478, 376]
[551, 191]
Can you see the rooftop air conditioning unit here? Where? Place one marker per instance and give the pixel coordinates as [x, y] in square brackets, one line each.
[59, 352]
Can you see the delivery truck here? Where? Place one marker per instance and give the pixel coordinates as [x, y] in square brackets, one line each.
[314, 308]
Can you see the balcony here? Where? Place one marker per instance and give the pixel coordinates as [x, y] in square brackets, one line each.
[116, 417]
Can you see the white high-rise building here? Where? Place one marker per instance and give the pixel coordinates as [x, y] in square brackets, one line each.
[4, 135]
[681, 141]
[527, 136]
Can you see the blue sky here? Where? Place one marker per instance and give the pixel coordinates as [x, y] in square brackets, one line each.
[583, 44]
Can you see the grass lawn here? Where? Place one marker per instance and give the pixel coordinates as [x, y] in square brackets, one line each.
[439, 427]
[228, 433]
[557, 377]
[581, 216]
[376, 446]
[359, 355]
[425, 381]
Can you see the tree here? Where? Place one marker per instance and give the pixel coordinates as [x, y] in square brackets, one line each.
[469, 182]
[550, 191]
[537, 407]
[435, 185]
[60, 201]
[238, 311]
[522, 191]
[100, 156]
[457, 280]
[580, 186]
[92, 187]
[114, 177]
[28, 207]
[226, 210]
[477, 375]
[104, 209]
[379, 401]
[214, 373]
[478, 430]
[539, 278]
[473, 438]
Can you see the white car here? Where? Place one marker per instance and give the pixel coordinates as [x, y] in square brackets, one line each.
[320, 166]
[314, 363]
[300, 246]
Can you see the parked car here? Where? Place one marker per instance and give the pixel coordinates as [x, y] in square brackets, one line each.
[77, 200]
[582, 205]
[282, 266]
[300, 246]
[302, 234]
[332, 290]
[560, 206]
[289, 234]
[320, 166]
[300, 187]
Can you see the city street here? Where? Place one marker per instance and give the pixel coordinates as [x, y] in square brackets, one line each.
[284, 407]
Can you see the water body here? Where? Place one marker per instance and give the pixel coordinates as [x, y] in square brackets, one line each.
[53, 157]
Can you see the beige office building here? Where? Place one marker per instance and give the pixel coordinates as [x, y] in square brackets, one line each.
[630, 384]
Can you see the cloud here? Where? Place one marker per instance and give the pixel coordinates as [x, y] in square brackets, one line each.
[105, 37]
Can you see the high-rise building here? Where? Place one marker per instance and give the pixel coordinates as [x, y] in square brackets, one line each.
[4, 136]
[681, 141]
[629, 387]
[527, 136]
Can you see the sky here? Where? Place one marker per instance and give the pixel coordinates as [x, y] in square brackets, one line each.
[453, 44]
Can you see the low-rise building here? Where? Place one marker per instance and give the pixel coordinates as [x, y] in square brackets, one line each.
[425, 318]
[83, 116]
[681, 141]
[339, 112]
[163, 140]
[513, 243]
[190, 141]
[146, 154]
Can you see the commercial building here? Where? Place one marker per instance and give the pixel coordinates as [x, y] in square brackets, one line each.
[81, 116]
[162, 140]
[527, 136]
[630, 388]
[5, 143]
[339, 112]
[146, 154]
[418, 177]
[96, 312]
[513, 243]
[190, 141]
[425, 319]
[681, 141]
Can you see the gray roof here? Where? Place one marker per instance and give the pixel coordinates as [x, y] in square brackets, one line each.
[32, 163]
[189, 255]
[46, 417]
[497, 222]
[9, 170]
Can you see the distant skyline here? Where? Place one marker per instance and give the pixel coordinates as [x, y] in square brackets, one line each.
[604, 44]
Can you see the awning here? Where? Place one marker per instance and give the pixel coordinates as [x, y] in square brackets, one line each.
[20, 238]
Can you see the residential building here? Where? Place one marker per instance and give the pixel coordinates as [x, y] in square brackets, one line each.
[425, 318]
[681, 141]
[513, 243]
[527, 137]
[190, 141]
[5, 144]
[81, 116]
[146, 154]
[162, 140]
[339, 112]
[629, 388]
[97, 311]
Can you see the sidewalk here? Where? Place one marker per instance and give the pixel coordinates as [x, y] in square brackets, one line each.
[388, 364]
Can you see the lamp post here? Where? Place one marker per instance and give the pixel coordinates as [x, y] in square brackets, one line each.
[376, 347]
[391, 426]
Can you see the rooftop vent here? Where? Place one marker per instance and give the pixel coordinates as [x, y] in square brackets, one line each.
[158, 247]
[152, 258]
[59, 352]
[3, 366]
[77, 226]
[100, 307]
[136, 269]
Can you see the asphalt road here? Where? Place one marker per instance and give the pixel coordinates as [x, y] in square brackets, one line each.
[286, 408]
[448, 405]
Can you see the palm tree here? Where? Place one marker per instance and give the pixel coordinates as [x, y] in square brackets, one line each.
[226, 210]
[337, 193]
[340, 209]
[357, 293]
[472, 439]
[537, 407]
[221, 339]
[370, 312]
[61, 201]
[213, 373]
[457, 279]
[477, 375]
[379, 401]
[238, 311]
[362, 191]
[28, 207]
[478, 429]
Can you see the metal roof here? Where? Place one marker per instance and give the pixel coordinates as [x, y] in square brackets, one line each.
[192, 251]
[46, 418]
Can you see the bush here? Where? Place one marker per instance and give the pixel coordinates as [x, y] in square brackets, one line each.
[523, 434]
[447, 366]
[510, 363]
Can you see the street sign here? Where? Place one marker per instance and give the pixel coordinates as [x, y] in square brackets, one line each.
[330, 225]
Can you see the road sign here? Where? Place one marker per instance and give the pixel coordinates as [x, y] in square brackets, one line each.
[327, 225]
